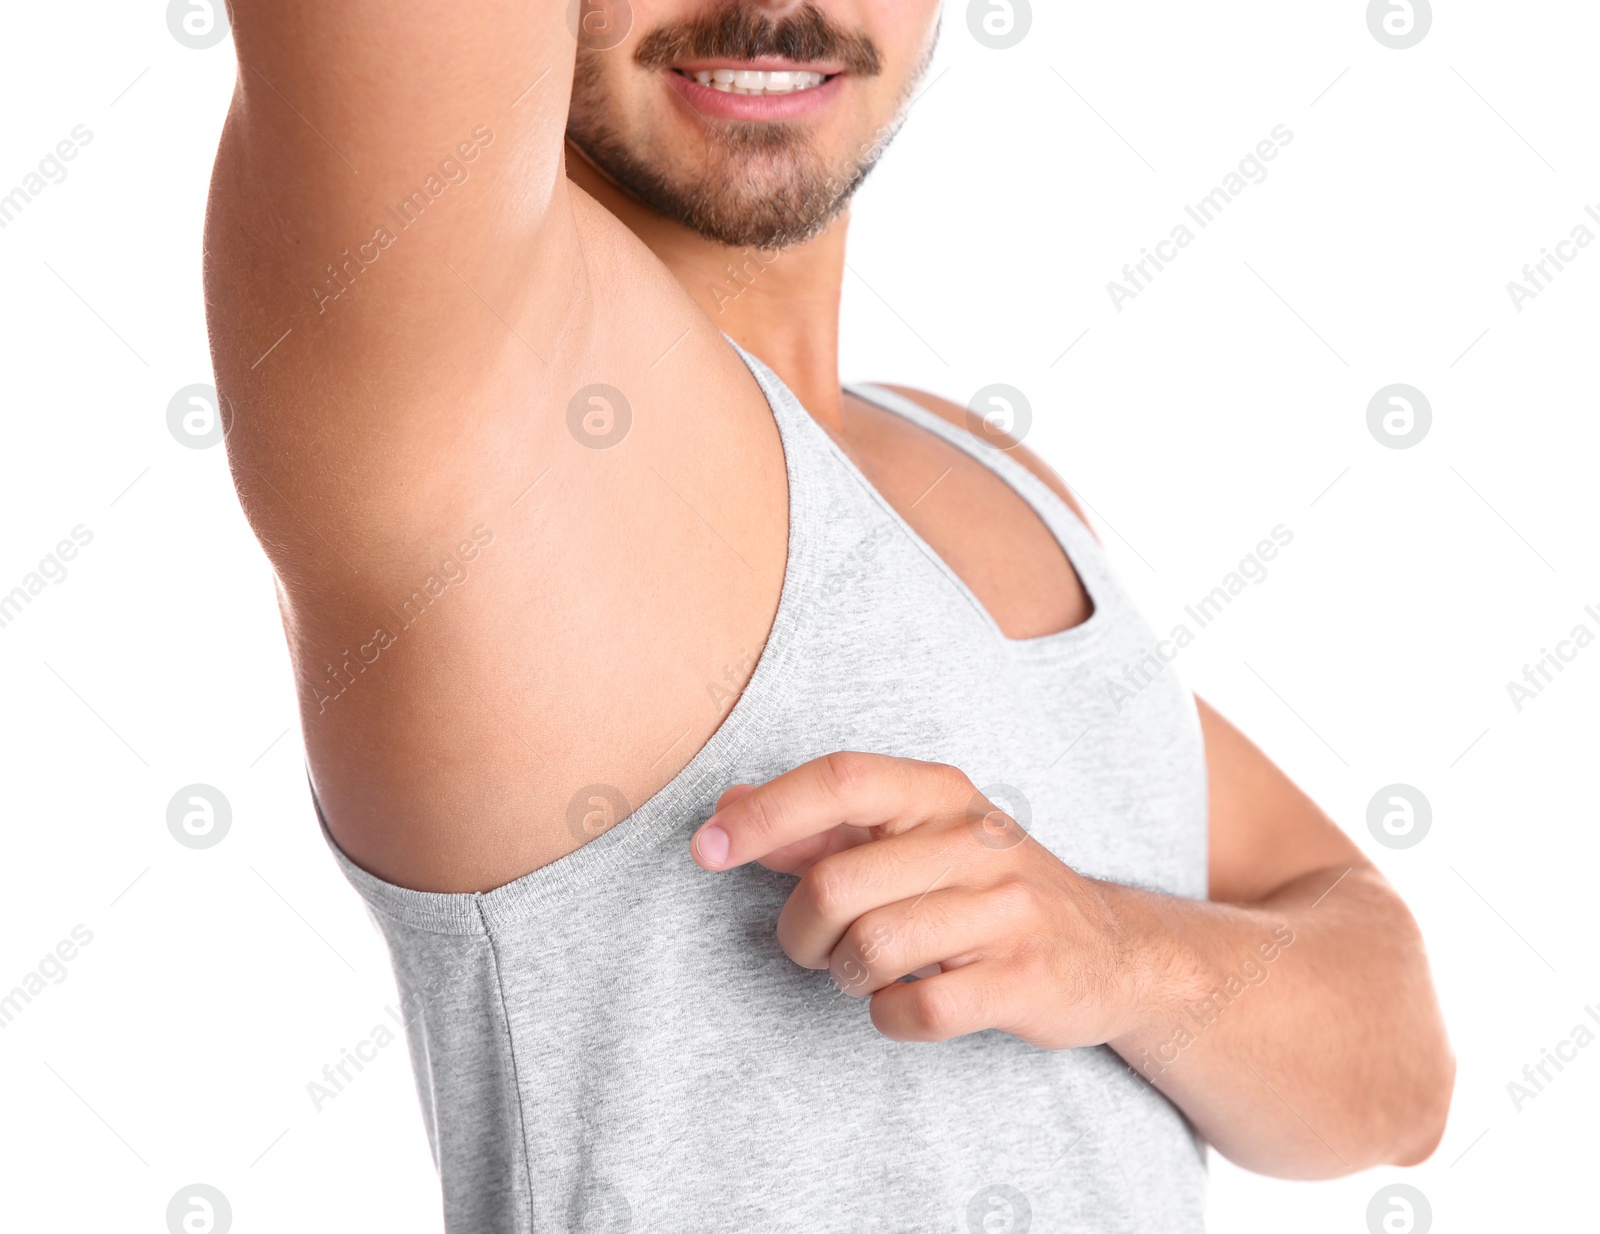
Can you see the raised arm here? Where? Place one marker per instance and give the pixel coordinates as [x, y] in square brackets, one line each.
[403, 286]
[410, 305]
[389, 178]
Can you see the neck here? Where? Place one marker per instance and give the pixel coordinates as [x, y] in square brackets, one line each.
[781, 305]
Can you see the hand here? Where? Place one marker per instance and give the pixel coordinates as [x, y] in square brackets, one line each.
[906, 868]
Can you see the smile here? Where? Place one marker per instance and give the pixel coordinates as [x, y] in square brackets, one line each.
[755, 81]
[764, 90]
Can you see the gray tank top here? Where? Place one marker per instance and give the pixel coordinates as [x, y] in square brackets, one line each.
[616, 1041]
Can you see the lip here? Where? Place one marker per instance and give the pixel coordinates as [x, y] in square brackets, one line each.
[725, 105]
[763, 64]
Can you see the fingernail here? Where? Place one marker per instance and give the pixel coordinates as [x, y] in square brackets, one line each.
[712, 844]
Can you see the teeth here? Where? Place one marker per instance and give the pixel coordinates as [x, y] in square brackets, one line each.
[756, 81]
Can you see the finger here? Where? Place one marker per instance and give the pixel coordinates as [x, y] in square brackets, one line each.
[953, 1004]
[800, 856]
[732, 794]
[863, 790]
[844, 887]
[952, 927]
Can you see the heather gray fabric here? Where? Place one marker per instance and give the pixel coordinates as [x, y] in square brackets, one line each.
[617, 1042]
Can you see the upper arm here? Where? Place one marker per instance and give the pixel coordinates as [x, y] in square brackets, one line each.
[341, 110]
[1264, 831]
[421, 120]
[370, 162]
[405, 293]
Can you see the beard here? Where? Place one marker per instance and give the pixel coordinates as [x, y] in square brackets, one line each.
[760, 184]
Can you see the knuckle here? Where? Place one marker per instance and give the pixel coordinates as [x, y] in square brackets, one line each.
[826, 887]
[933, 1011]
[762, 817]
[842, 773]
[875, 942]
[866, 952]
[1014, 899]
[852, 974]
[856, 942]
[955, 782]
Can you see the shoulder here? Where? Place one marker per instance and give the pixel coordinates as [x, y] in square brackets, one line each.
[956, 414]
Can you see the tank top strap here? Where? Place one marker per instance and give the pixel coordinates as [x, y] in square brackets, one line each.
[1087, 554]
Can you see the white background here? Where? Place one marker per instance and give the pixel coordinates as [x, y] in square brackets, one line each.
[1224, 400]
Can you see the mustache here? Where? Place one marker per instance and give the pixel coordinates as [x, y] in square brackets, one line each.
[738, 31]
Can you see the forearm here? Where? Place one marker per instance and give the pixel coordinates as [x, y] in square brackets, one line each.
[1299, 1034]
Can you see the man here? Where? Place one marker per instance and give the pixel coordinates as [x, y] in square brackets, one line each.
[605, 630]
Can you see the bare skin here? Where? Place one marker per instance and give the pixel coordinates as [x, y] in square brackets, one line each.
[425, 406]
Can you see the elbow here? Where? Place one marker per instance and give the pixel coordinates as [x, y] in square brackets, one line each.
[1422, 1070]
[1424, 1122]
